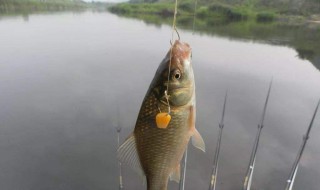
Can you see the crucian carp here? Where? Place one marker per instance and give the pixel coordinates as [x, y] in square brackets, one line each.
[154, 150]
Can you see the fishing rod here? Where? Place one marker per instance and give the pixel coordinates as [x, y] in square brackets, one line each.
[295, 166]
[212, 185]
[248, 178]
[183, 170]
[120, 167]
[117, 126]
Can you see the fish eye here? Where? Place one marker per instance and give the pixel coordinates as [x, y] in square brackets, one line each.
[177, 74]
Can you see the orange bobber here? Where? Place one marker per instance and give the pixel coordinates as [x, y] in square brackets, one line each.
[163, 120]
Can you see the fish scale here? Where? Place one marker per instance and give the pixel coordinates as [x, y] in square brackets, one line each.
[156, 154]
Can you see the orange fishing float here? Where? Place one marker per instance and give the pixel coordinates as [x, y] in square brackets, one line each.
[163, 120]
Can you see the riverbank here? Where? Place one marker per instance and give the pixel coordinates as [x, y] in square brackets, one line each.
[26, 7]
[29, 6]
[14, 6]
[215, 12]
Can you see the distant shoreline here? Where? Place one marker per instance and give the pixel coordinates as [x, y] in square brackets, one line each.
[16, 7]
[216, 12]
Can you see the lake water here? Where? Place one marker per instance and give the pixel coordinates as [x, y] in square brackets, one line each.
[68, 79]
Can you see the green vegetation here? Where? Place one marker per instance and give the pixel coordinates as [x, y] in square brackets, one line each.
[217, 11]
[266, 17]
[15, 6]
[214, 11]
[231, 13]
[226, 10]
[163, 9]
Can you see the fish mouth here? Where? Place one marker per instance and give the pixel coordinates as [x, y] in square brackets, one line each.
[163, 98]
[177, 88]
[172, 87]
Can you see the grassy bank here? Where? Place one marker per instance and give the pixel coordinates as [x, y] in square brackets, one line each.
[164, 9]
[214, 11]
[16, 6]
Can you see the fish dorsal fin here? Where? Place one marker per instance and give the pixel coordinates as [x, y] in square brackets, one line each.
[196, 138]
[197, 141]
[175, 175]
[128, 154]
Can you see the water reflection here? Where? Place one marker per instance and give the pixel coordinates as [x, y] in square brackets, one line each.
[305, 39]
[25, 17]
[68, 79]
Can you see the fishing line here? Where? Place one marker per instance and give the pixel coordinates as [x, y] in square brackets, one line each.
[174, 29]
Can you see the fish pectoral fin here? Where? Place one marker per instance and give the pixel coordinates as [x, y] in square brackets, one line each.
[127, 154]
[196, 138]
[197, 141]
[175, 175]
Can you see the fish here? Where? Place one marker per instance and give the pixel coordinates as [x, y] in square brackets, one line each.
[155, 152]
